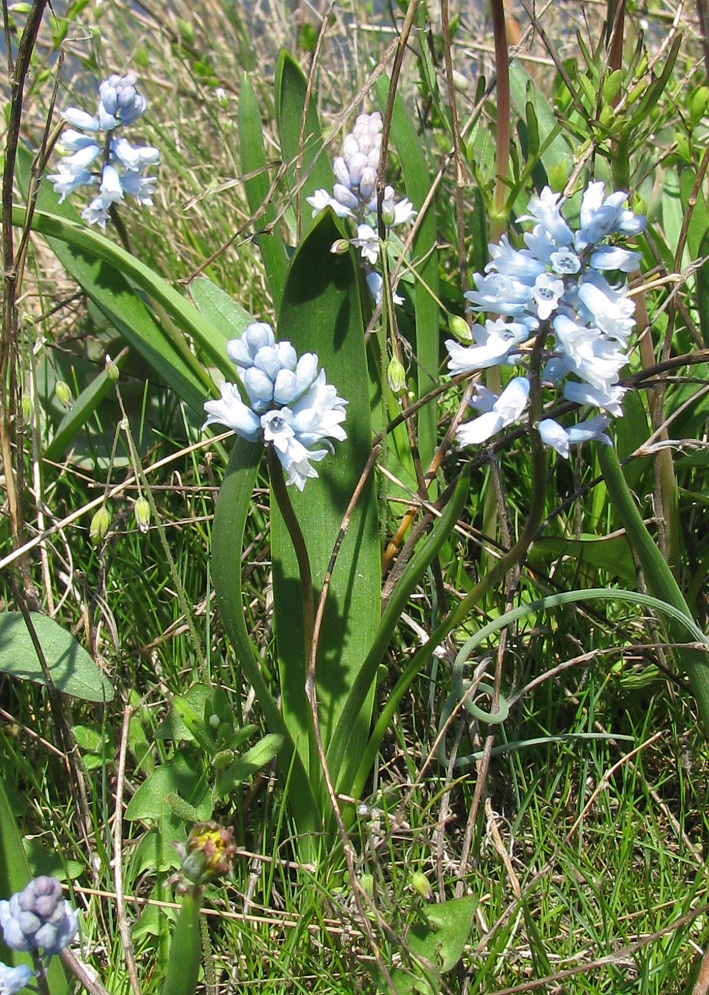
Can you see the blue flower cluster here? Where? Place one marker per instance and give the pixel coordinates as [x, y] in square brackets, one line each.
[37, 920]
[565, 284]
[290, 406]
[120, 167]
[354, 194]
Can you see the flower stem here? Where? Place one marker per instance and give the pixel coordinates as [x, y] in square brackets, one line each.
[285, 506]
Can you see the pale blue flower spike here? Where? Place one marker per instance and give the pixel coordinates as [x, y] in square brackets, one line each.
[291, 407]
[354, 196]
[123, 165]
[559, 279]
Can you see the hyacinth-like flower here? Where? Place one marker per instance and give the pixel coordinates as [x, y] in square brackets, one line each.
[38, 919]
[106, 160]
[565, 285]
[14, 979]
[290, 406]
[354, 193]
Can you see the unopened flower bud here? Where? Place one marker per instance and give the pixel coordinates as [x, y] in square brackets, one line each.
[221, 95]
[419, 882]
[460, 328]
[342, 173]
[141, 510]
[112, 371]
[367, 183]
[62, 391]
[396, 375]
[100, 524]
[26, 410]
[388, 213]
[38, 918]
[340, 247]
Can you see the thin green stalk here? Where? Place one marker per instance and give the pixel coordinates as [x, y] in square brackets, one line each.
[658, 576]
[513, 558]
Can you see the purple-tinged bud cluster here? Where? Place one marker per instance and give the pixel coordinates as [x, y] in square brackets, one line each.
[565, 285]
[290, 406]
[14, 979]
[38, 919]
[111, 162]
[354, 194]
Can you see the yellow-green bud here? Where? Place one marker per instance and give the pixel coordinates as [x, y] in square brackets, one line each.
[141, 510]
[460, 328]
[396, 375]
[340, 247]
[100, 524]
[112, 371]
[26, 410]
[419, 882]
[388, 213]
[62, 391]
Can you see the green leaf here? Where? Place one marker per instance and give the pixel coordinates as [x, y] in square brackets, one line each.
[252, 157]
[340, 752]
[703, 289]
[435, 944]
[233, 506]
[82, 409]
[600, 552]
[179, 776]
[308, 164]
[322, 313]
[251, 762]
[554, 149]
[228, 318]
[417, 181]
[71, 668]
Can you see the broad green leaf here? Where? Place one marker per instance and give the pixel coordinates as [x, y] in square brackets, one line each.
[101, 263]
[173, 726]
[106, 272]
[308, 164]
[252, 157]
[71, 668]
[703, 289]
[227, 317]
[233, 505]
[179, 776]
[435, 944]
[417, 181]
[699, 221]
[525, 95]
[322, 313]
[600, 552]
[424, 553]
